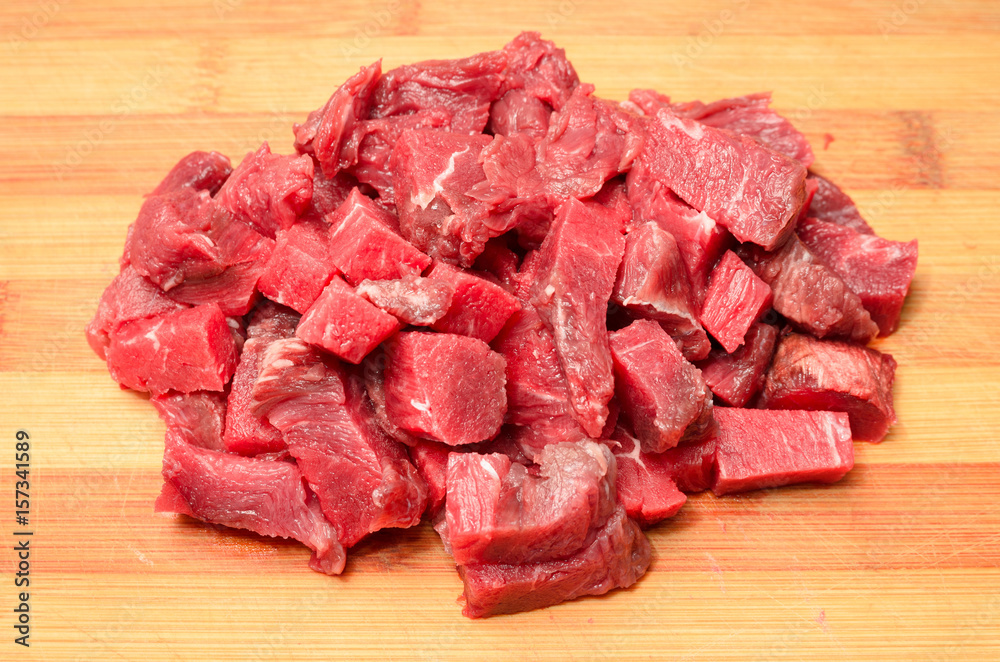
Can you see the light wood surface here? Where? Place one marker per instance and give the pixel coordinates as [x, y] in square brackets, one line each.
[897, 562]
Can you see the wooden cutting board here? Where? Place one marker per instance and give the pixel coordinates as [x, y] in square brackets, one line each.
[898, 561]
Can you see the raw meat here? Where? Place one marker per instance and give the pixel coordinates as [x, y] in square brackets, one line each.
[644, 484]
[197, 418]
[479, 308]
[756, 193]
[299, 267]
[879, 271]
[411, 299]
[664, 395]
[444, 387]
[431, 460]
[691, 466]
[735, 378]
[758, 448]
[540, 69]
[618, 556]
[736, 299]
[810, 294]
[834, 206]
[201, 171]
[577, 266]
[834, 376]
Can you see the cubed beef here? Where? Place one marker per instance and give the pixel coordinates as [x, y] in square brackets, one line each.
[201, 171]
[444, 387]
[879, 271]
[810, 294]
[343, 322]
[479, 308]
[268, 191]
[364, 246]
[755, 192]
[736, 298]
[664, 395]
[431, 460]
[644, 484]
[617, 557]
[183, 350]
[759, 448]
[577, 266]
[198, 418]
[834, 206]
[735, 378]
[299, 267]
[264, 496]
[497, 512]
[653, 283]
[540, 69]
[691, 466]
[364, 479]
[411, 299]
[833, 376]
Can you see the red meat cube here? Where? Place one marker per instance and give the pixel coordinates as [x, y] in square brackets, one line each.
[268, 191]
[653, 283]
[573, 494]
[201, 171]
[879, 271]
[444, 387]
[183, 350]
[758, 448]
[342, 322]
[736, 299]
[431, 460]
[755, 192]
[576, 273]
[363, 245]
[834, 206]
[264, 496]
[833, 376]
[691, 466]
[645, 483]
[663, 394]
[617, 557]
[810, 294]
[299, 267]
[364, 479]
[411, 299]
[479, 308]
[198, 418]
[737, 377]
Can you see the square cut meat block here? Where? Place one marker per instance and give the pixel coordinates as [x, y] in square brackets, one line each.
[245, 433]
[834, 376]
[644, 484]
[364, 480]
[186, 350]
[700, 240]
[664, 395]
[736, 299]
[576, 270]
[653, 283]
[809, 293]
[202, 171]
[433, 171]
[879, 271]
[130, 296]
[444, 387]
[299, 267]
[479, 308]
[342, 322]
[691, 466]
[617, 556]
[198, 418]
[758, 448]
[411, 299]
[755, 192]
[497, 512]
[267, 497]
[268, 191]
[735, 378]
[364, 245]
[832, 205]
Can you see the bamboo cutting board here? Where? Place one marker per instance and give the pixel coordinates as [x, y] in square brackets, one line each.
[899, 561]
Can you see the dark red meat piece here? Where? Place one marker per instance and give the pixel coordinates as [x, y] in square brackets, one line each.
[201, 171]
[691, 466]
[811, 294]
[577, 266]
[879, 271]
[498, 260]
[197, 418]
[479, 308]
[540, 69]
[518, 111]
[411, 299]
[735, 378]
[299, 267]
[834, 376]
[645, 483]
[664, 395]
[834, 206]
[736, 299]
[759, 448]
[444, 387]
[431, 460]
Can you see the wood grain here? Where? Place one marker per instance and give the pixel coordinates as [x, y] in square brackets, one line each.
[899, 561]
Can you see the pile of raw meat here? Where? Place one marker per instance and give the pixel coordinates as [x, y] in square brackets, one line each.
[481, 296]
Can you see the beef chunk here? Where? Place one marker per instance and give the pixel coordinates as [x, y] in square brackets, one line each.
[644, 484]
[299, 267]
[411, 299]
[832, 205]
[201, 171]
[478, 309]
[736, 299]
[735, 378]
[198, 418]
